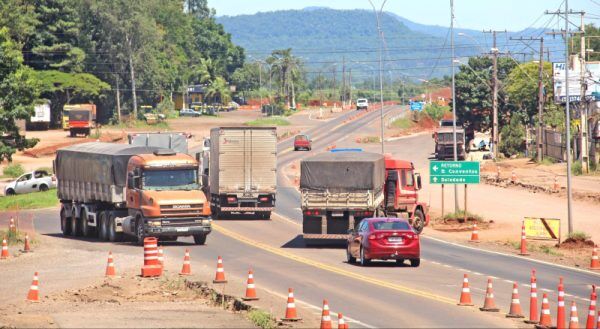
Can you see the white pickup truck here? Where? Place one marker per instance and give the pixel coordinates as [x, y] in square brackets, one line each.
[38, 180]
[362, 104]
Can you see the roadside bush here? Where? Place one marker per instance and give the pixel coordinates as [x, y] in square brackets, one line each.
[577, 168]
[579, 236]
[513, 137]
[13, 170]
[261, 319]
[436, 111]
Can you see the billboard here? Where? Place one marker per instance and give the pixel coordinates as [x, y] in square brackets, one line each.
[591, 76]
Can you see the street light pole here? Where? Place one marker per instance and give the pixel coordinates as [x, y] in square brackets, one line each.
[377, 16]
[456, 207]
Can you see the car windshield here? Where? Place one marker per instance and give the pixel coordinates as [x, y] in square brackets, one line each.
[392, 225]
[180, 179]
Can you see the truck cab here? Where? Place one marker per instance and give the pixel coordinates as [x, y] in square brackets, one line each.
[401, 188]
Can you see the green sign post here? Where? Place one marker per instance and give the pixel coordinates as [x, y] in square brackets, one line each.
[454, 172]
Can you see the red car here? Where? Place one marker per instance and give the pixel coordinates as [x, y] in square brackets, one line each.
[302, 142]
[384, 238]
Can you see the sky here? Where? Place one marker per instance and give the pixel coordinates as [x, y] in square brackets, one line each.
[512, 15]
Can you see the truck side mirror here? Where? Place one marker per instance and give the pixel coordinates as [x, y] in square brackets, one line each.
[418, 177]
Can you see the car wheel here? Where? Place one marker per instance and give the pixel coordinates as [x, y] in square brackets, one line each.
[415, 262]
[351, 259]
[139, 231]
[102, 226]
[65, 222]
[43, 188]
[10, 192]
[363, 260]
[200, 239]
[418, 221]
[400, 261]
[111, 228]
[295, 149]
[75, 226]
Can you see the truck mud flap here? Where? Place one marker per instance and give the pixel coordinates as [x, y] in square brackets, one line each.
[328, 224]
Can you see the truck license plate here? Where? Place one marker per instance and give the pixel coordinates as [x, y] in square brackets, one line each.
[182, 229]
[395, 239]
[337, 214]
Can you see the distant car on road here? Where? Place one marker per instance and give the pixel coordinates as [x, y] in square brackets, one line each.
[384, 238]
[362, 104]
[302, 142]
[189, 113]
[34, 181]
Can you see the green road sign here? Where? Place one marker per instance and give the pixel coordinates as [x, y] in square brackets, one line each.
[454, 172]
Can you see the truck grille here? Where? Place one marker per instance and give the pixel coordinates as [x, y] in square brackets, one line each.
[182, 222]
[181, 209]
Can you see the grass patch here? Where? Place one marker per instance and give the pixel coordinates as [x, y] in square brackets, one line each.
[16, 238]
[262, 319]
[141, 124]
[460, 217]
[548, 250]
[578, 236]
[13, 170]
[547, 161]
[403, 123]
[270, 121]
[371, 139]
[34, 200]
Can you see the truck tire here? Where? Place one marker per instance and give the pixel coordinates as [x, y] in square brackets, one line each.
[72, 133]
[75, 224]
[139, 231]
[86, 230]
[103, 226]
[111, 227]
[200, 239]
[418, 222]
[265, 215]
[65, 221]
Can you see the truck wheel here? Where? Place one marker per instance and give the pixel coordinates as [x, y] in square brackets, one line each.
[75, 225]
[85, 225]
[103, 226]
[418, 222]
[139, 231]
[200, 239]
[266, 215]
[111, 228]
[65, 221]
[72, 133]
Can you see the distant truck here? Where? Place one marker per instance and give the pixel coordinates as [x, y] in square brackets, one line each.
[40, 120]
[108, 190]
[240, 166]
[444, 143]
[67, 109]
[177, 142]
[339, 189]
[362, 104]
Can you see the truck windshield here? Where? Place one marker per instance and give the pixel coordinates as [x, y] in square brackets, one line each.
[180, 179]
[449, 137]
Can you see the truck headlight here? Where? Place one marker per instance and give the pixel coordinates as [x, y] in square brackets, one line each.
[155, 223]
[206, 222]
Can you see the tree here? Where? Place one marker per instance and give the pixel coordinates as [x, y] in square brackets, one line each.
[522, 88]
[18, 92]
[513, 136]
[219, 91]
[247, 77]
[474, 92]
[286, 68]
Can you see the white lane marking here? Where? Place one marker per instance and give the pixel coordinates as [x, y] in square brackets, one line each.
[448, 266]
[316, 308]
[477, 273]
[546, 290]
[514, 256]
[507, 281]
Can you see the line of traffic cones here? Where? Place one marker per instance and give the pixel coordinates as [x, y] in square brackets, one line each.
[27, 246]
[325, 316]
[523, 251]
[545, 318]
[489, 304]
[220, 275]
[591, 318]
[465, 295]
[110, 266]
[560, 312]
[291, 314]
[533, 298]
[595, 263]
[515, 304]
[34, 295]
[574, 317]
[250, 288]
[4, 254]
[341, 322]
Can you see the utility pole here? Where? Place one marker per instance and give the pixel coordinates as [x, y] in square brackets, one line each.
[495, 91]
[540, 123]
[583, 104]
[565, 35]
[456, 206]
[334, 91]
[380, 32]
[350, 85]
[343, 82]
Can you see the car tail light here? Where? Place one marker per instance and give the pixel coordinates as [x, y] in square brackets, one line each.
[231, 199]
[409, 236]
[311, 212]
[372, 236]
[264, 199]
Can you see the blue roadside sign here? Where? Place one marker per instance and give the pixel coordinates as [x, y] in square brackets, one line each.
[416, 106]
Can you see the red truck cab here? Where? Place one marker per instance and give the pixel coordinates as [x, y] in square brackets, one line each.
[302, 142]
[401, 192]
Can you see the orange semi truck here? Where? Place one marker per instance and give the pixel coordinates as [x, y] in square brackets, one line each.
[110, 190]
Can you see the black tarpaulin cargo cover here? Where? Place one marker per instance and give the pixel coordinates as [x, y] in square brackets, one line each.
[101, 163]
[339, 171]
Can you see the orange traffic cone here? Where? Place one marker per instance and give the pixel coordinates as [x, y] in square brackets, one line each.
[595, 264]
[515, 305]
[523, 241]
[110, 266]
[250, 288]
[161, 256]
[513, 177]
[220, 275]
[474, 234]
[186, 269]
[26, 247]
[325, 317]
[33, 295]
[574, 322]
[545, 318]
[465, 295]
[290, 310]
[560, 313]
[533, 312]
[341, 322]
[4, 254]
[591, 318]
[12, 227]
[489, 305]
[556, 186]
